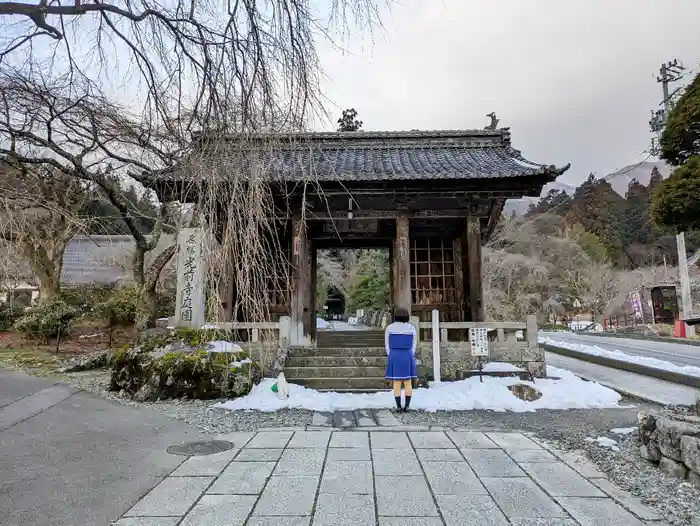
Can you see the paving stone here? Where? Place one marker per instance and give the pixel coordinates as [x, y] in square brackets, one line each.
[288, 496]
[301, 462]
[310, 439]
[520, 498]
[559, 480]
[452, 478]
[395, 462]
[382, 440]
[148, 521]
[350, 439]
[238, 438]
[412, 521]
[492, 463]
[439, 455]
[430, 440]
[347, 478]
[386, 418]
[579, 462]
[244, 478]
[270, 440]
[220, 510]
[364, 418]
[471, 440]
[259, 455]
[404, 497]
[322, 419]
[532, 455]
[172, 497]
[344, 510]
[344, 419]
[544, 522]
[204, 465]
[592, 512]
[627, 500]
[348, 453]
[459, 510]
[279, 521]
[513, 441]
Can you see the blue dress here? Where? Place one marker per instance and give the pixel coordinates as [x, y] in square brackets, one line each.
[400, 339]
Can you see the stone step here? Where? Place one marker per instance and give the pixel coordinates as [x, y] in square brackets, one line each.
[334, 372]
[343, 384]
[350, 339]
[336, 361]
[346, 352]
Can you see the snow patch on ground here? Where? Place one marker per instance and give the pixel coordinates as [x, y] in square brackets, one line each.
[567, 392]
[605, 442]
[224, 347]
[501, 367]
[322, 324]
[619, 355]
[623, 430]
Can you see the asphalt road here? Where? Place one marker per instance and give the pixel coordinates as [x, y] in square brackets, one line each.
[70, 458]
[676, 353]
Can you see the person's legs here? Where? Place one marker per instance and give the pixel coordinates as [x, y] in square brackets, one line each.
[408, 393]
[397, 393]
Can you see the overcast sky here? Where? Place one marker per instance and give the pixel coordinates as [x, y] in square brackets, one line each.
[573, 79]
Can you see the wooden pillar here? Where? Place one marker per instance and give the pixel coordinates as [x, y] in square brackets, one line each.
[473, 251]
[401, 264]
[301, 285]
[313, 283]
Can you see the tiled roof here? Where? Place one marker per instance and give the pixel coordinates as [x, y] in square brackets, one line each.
[374, 156]
[100, 259]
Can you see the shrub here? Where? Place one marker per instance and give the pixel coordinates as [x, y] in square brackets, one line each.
[84, 297]
[47, 321]
[9, 314]
[166, 302]
[117, 309]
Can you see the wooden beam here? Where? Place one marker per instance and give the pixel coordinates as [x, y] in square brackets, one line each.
[402, 265]
[301, 284]
[476, 294]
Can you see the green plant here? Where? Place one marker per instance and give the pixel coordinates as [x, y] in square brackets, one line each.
[117, 309]
[9, 314]
[47, 321]
[85, 296]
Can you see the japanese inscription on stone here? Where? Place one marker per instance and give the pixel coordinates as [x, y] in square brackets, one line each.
[190, 294]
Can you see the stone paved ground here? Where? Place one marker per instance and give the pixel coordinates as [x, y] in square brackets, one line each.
[386, 476]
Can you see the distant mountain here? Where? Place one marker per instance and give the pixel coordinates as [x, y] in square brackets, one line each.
[619, 180]
[521, 205]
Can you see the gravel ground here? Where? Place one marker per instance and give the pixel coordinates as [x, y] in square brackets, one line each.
[678, 502]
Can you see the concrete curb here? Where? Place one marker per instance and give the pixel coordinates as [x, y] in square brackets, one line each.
[669, 376]
[635, 336]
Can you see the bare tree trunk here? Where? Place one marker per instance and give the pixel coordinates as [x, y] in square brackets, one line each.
[49, 289]
[146, 309]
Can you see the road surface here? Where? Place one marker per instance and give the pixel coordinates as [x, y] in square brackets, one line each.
[677, 353]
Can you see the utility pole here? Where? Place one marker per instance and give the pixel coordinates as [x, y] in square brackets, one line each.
[673, 72]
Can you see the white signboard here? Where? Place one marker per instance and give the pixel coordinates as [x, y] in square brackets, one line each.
[479, 339]
[189, 302]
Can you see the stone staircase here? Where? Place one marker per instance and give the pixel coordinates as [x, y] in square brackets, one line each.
[344, 361]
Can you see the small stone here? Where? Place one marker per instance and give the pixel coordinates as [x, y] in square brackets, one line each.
[647, 425]
[694, 478]
[690, 453]
[650, 452]
[525, 392]
[668, 434]
[673, 468]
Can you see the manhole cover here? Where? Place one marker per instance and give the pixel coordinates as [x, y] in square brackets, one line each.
[208, 447]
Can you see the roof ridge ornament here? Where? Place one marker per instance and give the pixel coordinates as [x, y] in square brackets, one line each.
[494, 121]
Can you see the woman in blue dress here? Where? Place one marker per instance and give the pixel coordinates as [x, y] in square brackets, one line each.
[400, 340]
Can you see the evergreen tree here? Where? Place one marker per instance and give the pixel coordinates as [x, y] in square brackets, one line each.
[348, 122]
[556, 201]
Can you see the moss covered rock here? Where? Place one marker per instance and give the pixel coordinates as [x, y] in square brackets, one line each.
[174, 364]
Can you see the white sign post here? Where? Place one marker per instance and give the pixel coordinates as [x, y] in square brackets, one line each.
[436, 345]
[189, 301]
[479, 340]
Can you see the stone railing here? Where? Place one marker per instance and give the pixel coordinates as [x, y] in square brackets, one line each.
[509, 342]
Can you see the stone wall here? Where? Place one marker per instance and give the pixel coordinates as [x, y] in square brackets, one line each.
[672, 443]
[456, 358]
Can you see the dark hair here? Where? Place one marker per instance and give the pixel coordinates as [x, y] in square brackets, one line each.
[402, 315]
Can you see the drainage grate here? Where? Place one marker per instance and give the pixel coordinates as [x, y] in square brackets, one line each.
[194, 449]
